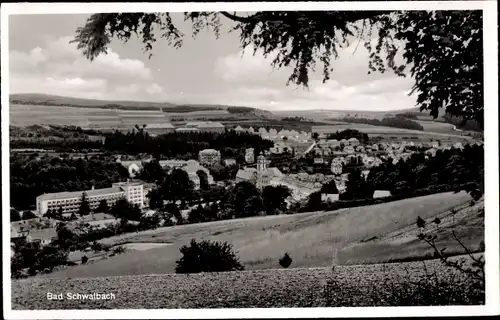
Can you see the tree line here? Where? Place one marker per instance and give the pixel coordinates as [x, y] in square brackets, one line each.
[60, 145]
[348, 134]
[185, 145]
[448, 167]
[32, 176]
[393, 122]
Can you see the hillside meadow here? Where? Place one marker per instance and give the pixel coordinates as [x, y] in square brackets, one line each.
[315, 239]
[437, 131]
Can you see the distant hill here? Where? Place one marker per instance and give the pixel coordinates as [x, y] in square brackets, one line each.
[53, 100]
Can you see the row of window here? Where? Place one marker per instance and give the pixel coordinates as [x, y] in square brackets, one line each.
[91, 199]
[75, 207]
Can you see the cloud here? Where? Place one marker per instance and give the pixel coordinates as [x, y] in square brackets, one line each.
[247, 67]
[58, 67]
[252, 81]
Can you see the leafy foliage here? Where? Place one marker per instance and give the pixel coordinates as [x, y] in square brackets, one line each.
[350, 133]
[329, 187]
[151, 172]
[207, 256]
[476, 270]
[14, 215]
[103, 206]
[125, 210]
[443, 48]
[244, 200]
[203, 179]
[177, 186]
[448, 167]
[34, 258]
[221, 173]
[357, 187]
[184, 145]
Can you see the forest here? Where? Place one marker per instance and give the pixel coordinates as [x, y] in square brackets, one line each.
[31, 176]
[185, 145]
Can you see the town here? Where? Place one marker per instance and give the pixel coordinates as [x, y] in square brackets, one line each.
[302, 163]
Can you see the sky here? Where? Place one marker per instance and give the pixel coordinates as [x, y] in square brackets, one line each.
[205, 70]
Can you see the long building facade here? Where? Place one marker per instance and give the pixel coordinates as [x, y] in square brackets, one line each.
[70, 202]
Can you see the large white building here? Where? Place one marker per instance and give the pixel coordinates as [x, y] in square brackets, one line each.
[209, 157]
[70, 202]
[206, 126]
[337, 165]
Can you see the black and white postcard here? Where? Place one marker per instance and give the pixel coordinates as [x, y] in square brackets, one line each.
[191, 160]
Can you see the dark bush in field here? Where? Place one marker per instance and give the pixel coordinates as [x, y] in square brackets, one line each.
[207, 256]
[286, 261]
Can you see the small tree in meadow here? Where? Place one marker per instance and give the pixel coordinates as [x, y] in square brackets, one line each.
[85, 259]
[207, 256]
[103, 206]
[84, 206]
[285, 261]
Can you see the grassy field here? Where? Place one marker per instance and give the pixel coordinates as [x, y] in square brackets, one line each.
[397, 134]
[26, 115]
[312, 239]
[438, 127]
[361, 285]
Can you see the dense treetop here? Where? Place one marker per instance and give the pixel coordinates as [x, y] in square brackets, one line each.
[441, 50]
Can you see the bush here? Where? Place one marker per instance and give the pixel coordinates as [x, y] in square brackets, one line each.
[96, 246]
[286, 261]
[119, 250]
[85, 259]
[207, 256]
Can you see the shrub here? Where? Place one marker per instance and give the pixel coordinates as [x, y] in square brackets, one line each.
[475, 272]
[119, 250]
[207, 256]
[285, 261]
[96, 246]
[84, 259]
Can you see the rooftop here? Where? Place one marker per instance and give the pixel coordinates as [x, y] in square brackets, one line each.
[128, 183]
[159, 126]
[209, 151]
[78, 194]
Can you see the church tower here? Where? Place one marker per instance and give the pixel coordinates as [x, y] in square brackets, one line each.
[261, 163]
[261, 172]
